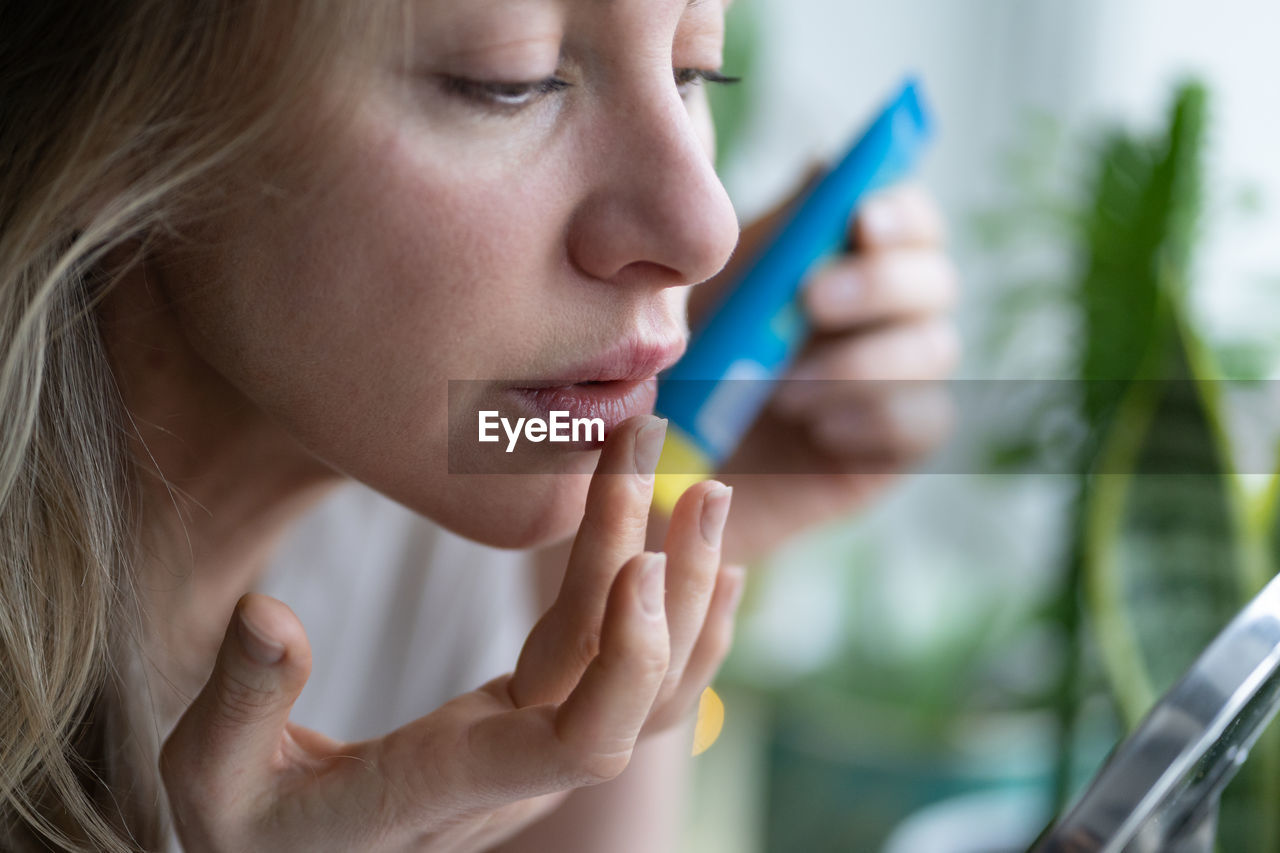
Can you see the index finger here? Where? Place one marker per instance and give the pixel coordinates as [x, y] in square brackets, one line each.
[883, 286]
[613, 529]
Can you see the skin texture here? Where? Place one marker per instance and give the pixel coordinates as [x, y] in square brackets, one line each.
[309, 334]
[455, 241]
[892, 324]
[241, 777]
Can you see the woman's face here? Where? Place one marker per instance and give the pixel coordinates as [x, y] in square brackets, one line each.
[523, 205]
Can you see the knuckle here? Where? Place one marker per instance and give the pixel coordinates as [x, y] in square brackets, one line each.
[720, 641]
[620, 524]
[650, 662]
[597, 524]
[586, 646]
[240, 701]
[598, 767]
[670, 686]
[639, 665]
[589, 759]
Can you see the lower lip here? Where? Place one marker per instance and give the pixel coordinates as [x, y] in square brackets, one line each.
[611, 402]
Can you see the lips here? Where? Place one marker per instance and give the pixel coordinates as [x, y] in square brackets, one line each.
[617, 385]
[632, 362]
[611, 402]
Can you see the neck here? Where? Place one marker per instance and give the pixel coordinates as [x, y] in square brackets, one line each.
[219, 486]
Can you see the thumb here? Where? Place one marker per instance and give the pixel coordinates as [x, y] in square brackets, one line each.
[234, 729]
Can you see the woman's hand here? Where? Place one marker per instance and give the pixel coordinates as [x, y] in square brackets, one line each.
[616, 654]
[863, 401]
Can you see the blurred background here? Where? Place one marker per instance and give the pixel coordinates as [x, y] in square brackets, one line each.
[943, 672]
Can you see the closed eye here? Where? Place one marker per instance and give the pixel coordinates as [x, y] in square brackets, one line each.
[687, 79]
[510, 96]
[503, 95]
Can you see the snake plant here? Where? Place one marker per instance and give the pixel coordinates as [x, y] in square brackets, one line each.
[1166, 546]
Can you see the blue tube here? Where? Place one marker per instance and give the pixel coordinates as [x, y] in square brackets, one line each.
[713, 395]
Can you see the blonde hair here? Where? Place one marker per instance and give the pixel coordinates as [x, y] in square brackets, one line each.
[117, 119]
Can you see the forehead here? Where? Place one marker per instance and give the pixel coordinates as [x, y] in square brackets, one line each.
[446, 9]
[536, 26]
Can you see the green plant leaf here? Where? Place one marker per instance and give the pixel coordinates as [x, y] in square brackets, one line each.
[731, 106]
[1168, 559]
[1163, 539]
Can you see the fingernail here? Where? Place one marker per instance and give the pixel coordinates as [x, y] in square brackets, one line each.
[715, 509]
[256, 644]
[649, 447]
[880, 221]
[653, 583]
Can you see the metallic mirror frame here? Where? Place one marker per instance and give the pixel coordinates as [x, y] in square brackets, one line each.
[1159, 789]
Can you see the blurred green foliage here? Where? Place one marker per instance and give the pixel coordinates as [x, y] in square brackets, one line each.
[1165, 546]
[732, 105]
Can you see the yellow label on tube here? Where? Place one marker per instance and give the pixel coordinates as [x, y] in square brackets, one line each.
[680, 466]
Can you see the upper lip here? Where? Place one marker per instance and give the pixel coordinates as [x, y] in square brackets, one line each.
[633, 361]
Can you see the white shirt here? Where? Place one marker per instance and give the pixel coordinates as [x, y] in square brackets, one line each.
[402, 615]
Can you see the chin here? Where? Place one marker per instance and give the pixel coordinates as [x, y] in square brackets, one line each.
[513, 511]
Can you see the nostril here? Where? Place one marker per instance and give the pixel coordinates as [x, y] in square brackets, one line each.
[648, 274]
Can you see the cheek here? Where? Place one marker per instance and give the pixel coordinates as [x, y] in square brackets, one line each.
[343, 319]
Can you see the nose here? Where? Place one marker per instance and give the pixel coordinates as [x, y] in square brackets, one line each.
[655, 211]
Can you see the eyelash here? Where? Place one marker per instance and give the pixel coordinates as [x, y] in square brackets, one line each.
[509, 97]
[687, 78]
[504, 96]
